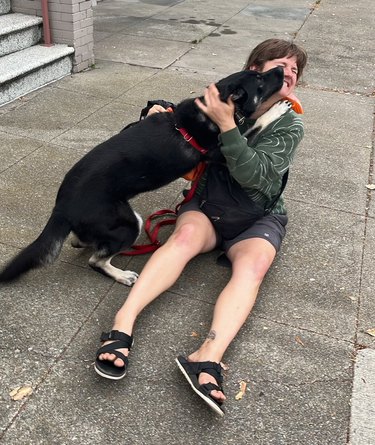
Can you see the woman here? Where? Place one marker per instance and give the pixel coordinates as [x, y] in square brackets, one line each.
[259, 169]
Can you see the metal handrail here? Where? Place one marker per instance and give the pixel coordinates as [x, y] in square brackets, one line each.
[46, 28]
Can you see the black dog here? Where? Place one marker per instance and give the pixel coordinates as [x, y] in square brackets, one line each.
[93, 198]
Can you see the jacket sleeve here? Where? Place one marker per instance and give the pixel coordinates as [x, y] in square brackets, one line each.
[260, 166]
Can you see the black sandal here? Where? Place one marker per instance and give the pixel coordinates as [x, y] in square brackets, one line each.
[107, 368]
[191, 371]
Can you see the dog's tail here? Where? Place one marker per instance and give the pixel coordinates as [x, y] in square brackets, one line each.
[43, 251]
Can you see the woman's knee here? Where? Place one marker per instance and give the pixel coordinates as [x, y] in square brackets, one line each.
[255, 263]
[193, 233]
[185, 234]
[188, 237]
[250, 272]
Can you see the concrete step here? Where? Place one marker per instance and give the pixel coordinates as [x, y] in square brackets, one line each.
[19, 31]
[4, 6]
[32, 68]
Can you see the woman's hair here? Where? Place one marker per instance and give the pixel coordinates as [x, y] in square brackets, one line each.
[276, 49]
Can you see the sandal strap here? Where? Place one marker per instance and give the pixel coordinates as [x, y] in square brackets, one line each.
[118, 335]
[208, 387]
[211, 386]
[112, 349]
[212, 368]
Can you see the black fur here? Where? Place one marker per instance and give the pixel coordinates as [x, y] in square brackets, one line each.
[93, 198]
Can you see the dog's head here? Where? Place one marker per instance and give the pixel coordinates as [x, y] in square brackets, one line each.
[249, 89]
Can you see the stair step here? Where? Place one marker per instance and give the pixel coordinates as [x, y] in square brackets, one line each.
[19, 31]
[32, 68]
[4, 6]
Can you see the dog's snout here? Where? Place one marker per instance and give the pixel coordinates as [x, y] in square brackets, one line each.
[280, 72]
[276, 73]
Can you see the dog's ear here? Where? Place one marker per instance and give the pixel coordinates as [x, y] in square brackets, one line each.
[233, 85]
[239, 95]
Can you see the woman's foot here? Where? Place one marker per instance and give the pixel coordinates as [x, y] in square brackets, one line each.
[204, 378]
[112, 358]
[209, 373]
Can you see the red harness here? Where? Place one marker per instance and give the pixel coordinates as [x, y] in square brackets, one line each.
[152, 233]
[191, 140]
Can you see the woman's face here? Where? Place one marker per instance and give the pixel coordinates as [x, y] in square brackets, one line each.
[289, 65]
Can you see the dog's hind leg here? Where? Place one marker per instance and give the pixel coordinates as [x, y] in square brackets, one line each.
[113, 242]
[104, 266]
[77, 243]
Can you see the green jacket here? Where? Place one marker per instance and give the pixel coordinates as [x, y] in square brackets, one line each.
[259, 167]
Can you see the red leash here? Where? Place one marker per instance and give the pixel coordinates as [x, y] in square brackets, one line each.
[152, 233]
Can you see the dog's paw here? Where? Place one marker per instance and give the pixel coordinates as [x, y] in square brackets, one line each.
[279, 109]
[127, 277]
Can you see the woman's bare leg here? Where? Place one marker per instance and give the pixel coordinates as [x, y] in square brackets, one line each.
[193, 234]
[251, 259]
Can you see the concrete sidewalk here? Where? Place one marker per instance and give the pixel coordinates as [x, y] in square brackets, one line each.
[298, 352]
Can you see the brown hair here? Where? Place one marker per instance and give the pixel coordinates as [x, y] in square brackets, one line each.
[276, 49]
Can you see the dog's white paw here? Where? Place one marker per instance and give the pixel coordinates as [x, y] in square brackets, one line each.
[278, 110]
[104, 266]
[282, 106]
[127, 277]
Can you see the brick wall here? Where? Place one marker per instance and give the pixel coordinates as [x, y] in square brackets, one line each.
[71, 23]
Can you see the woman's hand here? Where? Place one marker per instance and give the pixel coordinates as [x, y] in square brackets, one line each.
[222, 113]
[156, 109]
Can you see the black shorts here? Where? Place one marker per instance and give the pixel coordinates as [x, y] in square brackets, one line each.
[270, 227]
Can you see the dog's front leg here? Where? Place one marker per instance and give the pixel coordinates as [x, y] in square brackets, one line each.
[104, 266]
[276, 111]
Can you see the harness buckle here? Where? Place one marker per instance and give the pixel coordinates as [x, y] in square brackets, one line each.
[240, 118]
